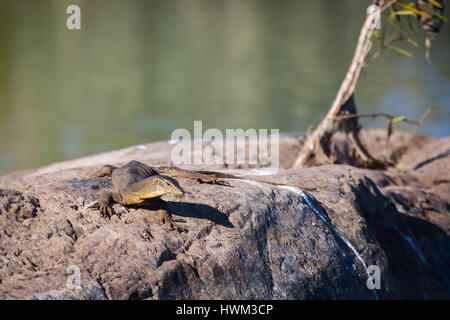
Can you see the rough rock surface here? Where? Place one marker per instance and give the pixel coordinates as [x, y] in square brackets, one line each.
[247, 241]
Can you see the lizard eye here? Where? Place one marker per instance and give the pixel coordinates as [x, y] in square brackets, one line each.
[167, 183]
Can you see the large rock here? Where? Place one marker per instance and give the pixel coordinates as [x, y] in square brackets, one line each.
[247, 241]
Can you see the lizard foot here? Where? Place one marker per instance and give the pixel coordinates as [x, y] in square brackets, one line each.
[168, 220]
[221, 182]
[212, 180]
[105, 205]
[104, 208]
[106, 211]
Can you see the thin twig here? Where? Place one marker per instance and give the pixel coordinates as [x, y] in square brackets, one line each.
[387, 5]
[426, 114]
[392, 38]
[386, 115]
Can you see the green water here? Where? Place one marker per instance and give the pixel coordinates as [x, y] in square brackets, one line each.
[137, 70]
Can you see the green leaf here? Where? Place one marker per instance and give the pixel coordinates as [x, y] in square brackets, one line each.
[402, 51]
[382, 36]
[391, 14]
[377, 34]
[437, 14]
[410, 25]
[415, 44]
[404, 13]
[435, 3]
[417, 11]
[398, 119]
[397, 27]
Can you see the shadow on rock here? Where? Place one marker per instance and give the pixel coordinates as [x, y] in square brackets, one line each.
[200, 211]
[417, 250]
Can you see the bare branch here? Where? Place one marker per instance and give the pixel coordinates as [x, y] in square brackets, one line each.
[390, 117]
[346, 90]
[387, 5]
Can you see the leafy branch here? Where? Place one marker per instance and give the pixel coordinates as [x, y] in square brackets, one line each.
[342, 115]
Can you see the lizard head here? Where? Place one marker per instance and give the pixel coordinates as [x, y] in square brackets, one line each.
[165, 185]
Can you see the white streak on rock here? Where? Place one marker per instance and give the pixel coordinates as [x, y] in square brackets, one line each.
[332, 228]
[411, 243]
[322, 217]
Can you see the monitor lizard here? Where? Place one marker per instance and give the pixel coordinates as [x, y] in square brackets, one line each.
[139, 184]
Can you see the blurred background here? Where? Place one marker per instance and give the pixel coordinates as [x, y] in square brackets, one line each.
[139, 69]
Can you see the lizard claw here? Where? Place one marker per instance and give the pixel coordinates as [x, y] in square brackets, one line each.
[168, 220]
[106, 211]
[222, 182]
[213, 180]
[104, 208]
[177, 219]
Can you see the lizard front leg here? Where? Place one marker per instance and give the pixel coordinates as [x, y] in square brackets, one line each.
[105, 201]
[182, 173]
[164, 215]
[105, 171]
[166, 218]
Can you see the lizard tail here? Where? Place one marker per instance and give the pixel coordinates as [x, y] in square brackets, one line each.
[230, 176]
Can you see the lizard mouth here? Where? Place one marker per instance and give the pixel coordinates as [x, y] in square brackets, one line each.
[172, 187]
[178, 192]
